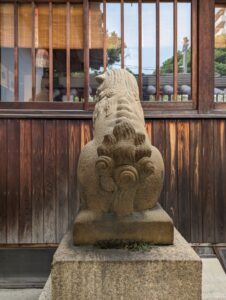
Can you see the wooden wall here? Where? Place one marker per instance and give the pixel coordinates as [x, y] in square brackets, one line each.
[38, 161]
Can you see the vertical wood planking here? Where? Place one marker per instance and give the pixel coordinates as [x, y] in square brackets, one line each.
[91, 129]
[207, 187]
[37, 175]
[159, 142]
[184, 206]
[220, 186]
[25, 212]
[3, 181]
[171, 175]
[62, 164]
[38, 188]
[50, 181]
[149, 129]
[50, 51]
[195, 180]
[13, 180]
[74, 144]
[86, 133]
[122, 35]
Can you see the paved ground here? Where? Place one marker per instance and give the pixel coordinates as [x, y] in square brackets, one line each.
[27, 294]
[214, 284]
[214, 280]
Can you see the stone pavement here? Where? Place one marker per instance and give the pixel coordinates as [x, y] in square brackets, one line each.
[22, 294]
[214, 280]
[214, 285]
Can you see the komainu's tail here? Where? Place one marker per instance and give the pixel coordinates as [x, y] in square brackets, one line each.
[124, 161]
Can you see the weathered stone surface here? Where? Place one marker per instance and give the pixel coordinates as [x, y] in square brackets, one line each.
[88, 273]
[47, 290]
[119, 170]
[153, 226]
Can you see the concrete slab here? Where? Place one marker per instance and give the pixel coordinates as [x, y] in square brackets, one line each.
[47, 290]
[20, 294]
[214, 280]
[214, 285]
[161, 272]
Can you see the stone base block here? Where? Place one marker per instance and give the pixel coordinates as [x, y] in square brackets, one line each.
[46, 293]
[152, 226]
[89, 273]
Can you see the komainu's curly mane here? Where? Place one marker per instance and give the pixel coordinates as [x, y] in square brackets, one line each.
[117, 82]
[118, 98]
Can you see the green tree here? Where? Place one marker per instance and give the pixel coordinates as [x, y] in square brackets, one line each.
[113, 55]
[220, 61]
[167, 66]
[113, 48]
[219, 58]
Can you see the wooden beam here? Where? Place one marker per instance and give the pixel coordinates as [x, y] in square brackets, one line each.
[68, 51]
[175, 64]
[206, 56]
[33, 53]
[105, 36]
[50, 52]
[157, 50]
[122, 34]
[194, 52]
[86, 51]
[16, 60]
[140, 83]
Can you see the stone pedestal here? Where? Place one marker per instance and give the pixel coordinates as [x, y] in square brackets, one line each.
[163, 272]
[153, 226]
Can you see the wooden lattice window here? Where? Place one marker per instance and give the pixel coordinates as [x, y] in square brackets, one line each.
[220, 55]
[51, 52]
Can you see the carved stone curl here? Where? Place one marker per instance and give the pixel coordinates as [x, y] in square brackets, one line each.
[119, 171]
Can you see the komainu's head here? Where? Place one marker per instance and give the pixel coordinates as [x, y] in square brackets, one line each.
[117, 81]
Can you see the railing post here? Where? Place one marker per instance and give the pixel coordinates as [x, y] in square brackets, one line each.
[206, 59]
[86, 51]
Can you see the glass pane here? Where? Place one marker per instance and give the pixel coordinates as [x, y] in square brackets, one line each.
[149, 51]
[7, 52]
[131, 37]
[96, 45]
[24, 51]
[184, 51]
[59, 53]
[77, 61]
[42, 52]
[220, 55]
[113, 29]
[166, 51]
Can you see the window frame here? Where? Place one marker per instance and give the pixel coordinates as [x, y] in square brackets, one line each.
[202, 64]
[217, 106]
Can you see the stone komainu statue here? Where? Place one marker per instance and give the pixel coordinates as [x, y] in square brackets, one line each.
[119, 170]
[120, 178]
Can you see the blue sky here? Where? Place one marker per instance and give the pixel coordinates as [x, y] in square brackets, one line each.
[149, 35]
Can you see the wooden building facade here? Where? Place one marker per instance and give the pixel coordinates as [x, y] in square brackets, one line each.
[42, 130]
